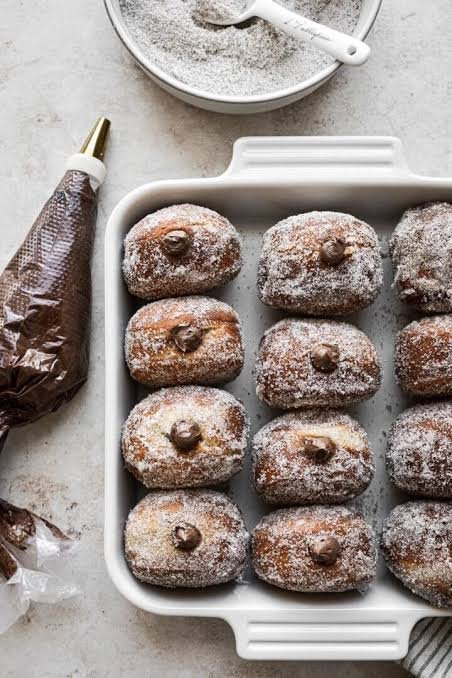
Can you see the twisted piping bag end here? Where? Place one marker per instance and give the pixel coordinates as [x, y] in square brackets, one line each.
[90, 158]
[96, 141]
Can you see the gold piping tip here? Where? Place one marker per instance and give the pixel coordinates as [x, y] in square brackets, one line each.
[96, 141]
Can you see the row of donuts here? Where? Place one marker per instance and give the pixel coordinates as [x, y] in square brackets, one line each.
[417, 537]
[187, 339]
[197, 538]
[318, 263]
[187, 436]
[300, 363]
[195, 436]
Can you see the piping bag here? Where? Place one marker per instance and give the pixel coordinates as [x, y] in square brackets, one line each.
[45, 309]
[45, 296]
[35, 563]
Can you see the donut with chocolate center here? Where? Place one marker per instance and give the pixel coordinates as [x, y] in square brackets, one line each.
[187, 340]
[180, 250]
[320, 263]
[186, 538]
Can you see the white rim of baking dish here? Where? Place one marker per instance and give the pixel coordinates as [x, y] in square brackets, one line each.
[118, 24]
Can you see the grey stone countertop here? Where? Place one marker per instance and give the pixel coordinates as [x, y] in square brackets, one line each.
[61, 66]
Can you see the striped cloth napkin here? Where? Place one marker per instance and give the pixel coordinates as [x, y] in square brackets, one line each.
[430, 651]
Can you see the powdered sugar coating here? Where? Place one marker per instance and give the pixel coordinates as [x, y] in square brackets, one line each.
[152, 555]
[292, 275]
[419, 454]
[156, 461]
[281, 543]
[213, 257]
[283, 474]
[421, 251]
[286, 378]
[417, 546]
[423, 357]
[155, 360]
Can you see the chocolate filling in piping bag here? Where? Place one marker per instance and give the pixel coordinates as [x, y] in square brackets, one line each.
[36, 563]
[45, 296]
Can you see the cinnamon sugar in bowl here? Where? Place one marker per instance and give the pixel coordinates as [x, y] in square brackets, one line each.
[251, 89]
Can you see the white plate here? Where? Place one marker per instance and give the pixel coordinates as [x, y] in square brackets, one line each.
[268, 180]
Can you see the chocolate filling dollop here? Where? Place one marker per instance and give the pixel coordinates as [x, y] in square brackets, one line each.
[185, 434]
[186, 337]
[318, 448]
[325, 550]
[176, 243]
[325, 358]
[186, 537]
[332, 252]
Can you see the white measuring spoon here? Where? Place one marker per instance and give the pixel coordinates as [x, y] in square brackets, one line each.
[339, 45]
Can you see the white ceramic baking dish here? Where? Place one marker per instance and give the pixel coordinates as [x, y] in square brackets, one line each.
[269, 179]
[235, 104]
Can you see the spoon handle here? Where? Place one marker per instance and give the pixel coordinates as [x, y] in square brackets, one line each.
[339, 45]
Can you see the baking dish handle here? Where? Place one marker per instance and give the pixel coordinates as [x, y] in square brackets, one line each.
[340, 157]
[348, 635]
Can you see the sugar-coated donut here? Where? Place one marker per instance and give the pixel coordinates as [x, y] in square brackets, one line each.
[316, 363]
[417, 546]
[189, 340]
[179, 250]
[189, 538]
[320, 263]
[314, 549]
[185, 436]
[311, 457]
[421, 252]
[419, 454]
[423, 357]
